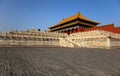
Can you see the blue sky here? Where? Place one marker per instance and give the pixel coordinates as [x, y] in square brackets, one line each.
[28, 14]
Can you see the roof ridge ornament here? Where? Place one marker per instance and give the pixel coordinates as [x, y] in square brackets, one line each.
[78, 14]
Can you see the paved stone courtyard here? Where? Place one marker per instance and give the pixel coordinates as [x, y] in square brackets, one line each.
[59, 62]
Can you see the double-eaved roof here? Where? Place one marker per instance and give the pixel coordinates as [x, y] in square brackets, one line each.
[76, 16]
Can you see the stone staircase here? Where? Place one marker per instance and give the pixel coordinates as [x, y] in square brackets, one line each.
[76, 45]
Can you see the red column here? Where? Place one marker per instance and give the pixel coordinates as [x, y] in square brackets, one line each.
[79, 29]
[66, 31]
[70, 31]
[74, 30]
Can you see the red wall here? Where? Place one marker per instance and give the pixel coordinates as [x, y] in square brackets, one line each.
[117, 30]
[109, 27]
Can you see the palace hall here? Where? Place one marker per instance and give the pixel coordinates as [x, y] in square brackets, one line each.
[79, 23]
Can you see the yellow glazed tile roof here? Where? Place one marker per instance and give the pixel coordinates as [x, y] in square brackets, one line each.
[76, 16]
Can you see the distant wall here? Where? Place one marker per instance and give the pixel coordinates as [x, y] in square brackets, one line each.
[109, 27]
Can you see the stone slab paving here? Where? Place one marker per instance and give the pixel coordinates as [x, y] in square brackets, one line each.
[59, 62]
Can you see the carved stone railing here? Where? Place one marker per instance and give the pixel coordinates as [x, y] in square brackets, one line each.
[87, 39]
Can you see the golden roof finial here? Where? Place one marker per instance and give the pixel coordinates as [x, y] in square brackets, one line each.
[78, 13]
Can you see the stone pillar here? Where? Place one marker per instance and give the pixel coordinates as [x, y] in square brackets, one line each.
[108, 42]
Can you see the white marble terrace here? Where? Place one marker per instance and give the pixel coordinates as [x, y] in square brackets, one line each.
[87, 39]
